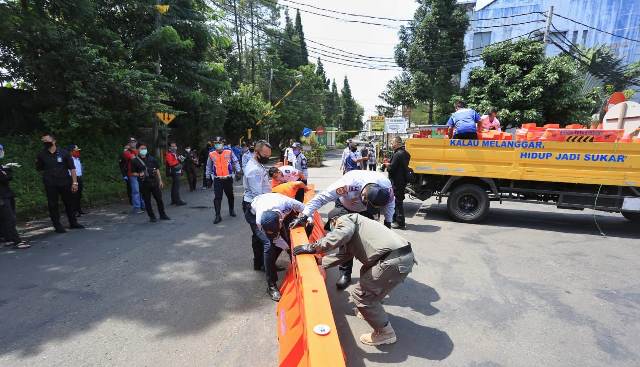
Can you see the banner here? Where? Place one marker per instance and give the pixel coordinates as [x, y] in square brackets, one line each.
[395, 125]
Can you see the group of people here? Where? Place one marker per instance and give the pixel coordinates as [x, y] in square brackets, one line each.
[466, 123]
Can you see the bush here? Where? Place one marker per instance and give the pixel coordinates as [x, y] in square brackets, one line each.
[101, 174]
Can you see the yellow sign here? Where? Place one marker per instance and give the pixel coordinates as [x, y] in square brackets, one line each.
[165, 117]
[377, 125]
[162, 9]
[377, 118]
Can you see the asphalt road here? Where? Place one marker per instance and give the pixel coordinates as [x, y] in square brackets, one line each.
[533, 286]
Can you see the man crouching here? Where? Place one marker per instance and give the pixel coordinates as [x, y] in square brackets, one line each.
[386, 259]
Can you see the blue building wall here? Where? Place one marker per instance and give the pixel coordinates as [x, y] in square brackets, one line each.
[621, 17]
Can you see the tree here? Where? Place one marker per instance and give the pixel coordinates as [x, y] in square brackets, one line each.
[333, 108]
[304, 54]
[432, 50]
[398, 92]
[349, 119]
[322, 74]
[526, 86]
[291, 51]
[244, 107]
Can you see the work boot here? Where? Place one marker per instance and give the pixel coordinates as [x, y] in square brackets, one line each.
[386, 335]
[274, 293]
[153, 219]
[258, 265]
[164, 217]
[398, 226]
[217, 219]
[232, 212]
[217, 205]
[343, 282]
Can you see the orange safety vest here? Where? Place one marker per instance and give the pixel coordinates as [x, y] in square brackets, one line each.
[222, 163]
[289, 188]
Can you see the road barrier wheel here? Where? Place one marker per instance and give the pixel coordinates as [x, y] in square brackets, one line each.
[632, 216]
[468, 203]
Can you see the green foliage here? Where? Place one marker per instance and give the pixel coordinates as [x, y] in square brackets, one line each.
[351, 114]
[244, 108]
[431, 50]
[526, 86]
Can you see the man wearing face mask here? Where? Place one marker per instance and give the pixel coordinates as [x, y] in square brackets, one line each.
[134, 184]
[148, 172]
[354, 160]
[174, 170]
[60, 181]
[77, 196]
[8, 206]
[222, 165]
[256, 182]
[386, 260]
[190, 163]
[273, 213]
[357, 192]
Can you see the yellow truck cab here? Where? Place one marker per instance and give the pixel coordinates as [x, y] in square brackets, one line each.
[472, 173]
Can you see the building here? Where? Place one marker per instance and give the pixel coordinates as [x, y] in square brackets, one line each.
[494, 21]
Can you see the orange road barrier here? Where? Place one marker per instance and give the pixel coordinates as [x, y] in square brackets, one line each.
[306, 330]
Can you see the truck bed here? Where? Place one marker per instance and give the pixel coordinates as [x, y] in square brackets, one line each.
[615, 164]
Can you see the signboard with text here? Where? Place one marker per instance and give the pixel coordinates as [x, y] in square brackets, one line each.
[395, 125]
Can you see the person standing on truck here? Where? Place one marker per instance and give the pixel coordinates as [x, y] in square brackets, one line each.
[357, 192]
[387, 259]
[489, 121]
[464, 123]
[398, 170]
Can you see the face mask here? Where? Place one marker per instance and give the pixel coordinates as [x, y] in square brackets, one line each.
[47, 144]
[353, 149]
[173, 150]
[75, 154]
[251, 150]
[296, 151]
[218, 146]
[188, 150]
[261, 159]
[143, 152]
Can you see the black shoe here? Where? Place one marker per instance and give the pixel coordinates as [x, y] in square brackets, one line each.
[274, 293]
[153, 219]
[258, 266]
[217, 219]
[164, 217]
[76, 226]
[232, 212]
[181, 203]
[343, 282]
[60, 229]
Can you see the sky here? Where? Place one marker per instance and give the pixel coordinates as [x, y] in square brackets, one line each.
[362, 39]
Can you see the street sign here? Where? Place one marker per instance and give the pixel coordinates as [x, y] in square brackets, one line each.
[162, 9]
[320, 130]
[377, 118]
[165, 117]
[306, 132]
[395, 125]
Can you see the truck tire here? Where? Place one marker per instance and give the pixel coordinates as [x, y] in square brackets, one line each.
[632, 216]
[468, 203]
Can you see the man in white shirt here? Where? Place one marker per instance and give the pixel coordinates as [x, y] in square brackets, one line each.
[74, 150]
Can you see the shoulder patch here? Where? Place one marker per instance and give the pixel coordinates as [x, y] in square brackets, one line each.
[341, 191]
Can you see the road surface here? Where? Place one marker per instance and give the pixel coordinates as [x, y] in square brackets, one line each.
[533, 286]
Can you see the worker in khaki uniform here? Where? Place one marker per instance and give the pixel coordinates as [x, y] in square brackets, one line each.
[386, 259]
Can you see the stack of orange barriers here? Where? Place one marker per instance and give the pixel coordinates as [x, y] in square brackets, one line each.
[574, 133]
[306, 329]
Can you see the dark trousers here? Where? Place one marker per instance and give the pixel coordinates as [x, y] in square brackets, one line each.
[77, 196]
[8, 220]
[372, 167]
[192, 177]
[148, 189]
[175, 188]
[347, 267]
[221, 185]
[126, 182]
[257, 237]
[398, 214]
[467, 136]
[63, 192]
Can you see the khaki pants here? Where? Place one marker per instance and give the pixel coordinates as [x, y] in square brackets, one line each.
[375, 283]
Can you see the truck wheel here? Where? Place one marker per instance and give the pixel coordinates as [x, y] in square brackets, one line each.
[632, 216]
[468, 203]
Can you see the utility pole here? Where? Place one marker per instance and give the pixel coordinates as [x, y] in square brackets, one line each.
[545, 39]
[158, 71]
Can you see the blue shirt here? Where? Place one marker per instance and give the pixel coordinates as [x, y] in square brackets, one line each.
[350, 162]
[464, 120]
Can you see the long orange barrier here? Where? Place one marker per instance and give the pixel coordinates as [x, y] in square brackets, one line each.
[306, 330]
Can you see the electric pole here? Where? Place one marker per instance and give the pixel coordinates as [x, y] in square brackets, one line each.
[545, 39]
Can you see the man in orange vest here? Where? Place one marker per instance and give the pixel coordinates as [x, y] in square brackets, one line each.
[222, 165]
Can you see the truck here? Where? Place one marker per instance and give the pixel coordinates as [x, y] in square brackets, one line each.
[570, 175]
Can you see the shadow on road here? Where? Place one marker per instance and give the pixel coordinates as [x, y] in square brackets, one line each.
[414, 340]
[576, 223]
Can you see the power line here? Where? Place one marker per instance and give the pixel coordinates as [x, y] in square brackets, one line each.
[509, 25]
[349, 14]
[596, 29]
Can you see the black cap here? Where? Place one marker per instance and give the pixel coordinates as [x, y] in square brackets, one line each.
[335, 212]
[377, 196]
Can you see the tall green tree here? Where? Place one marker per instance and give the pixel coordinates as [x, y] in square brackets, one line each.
[321, 73]
[432, 50]
[304, 54]
[333, 108]
[526, 86]
[350, 119]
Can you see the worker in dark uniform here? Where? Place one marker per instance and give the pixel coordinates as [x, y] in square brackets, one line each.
[150, 178]
[173, 161]
[8, 206]
[60, 181]
[358, 192]
[398, 170]
[386, 259]
[222, 165]
[189, 165]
